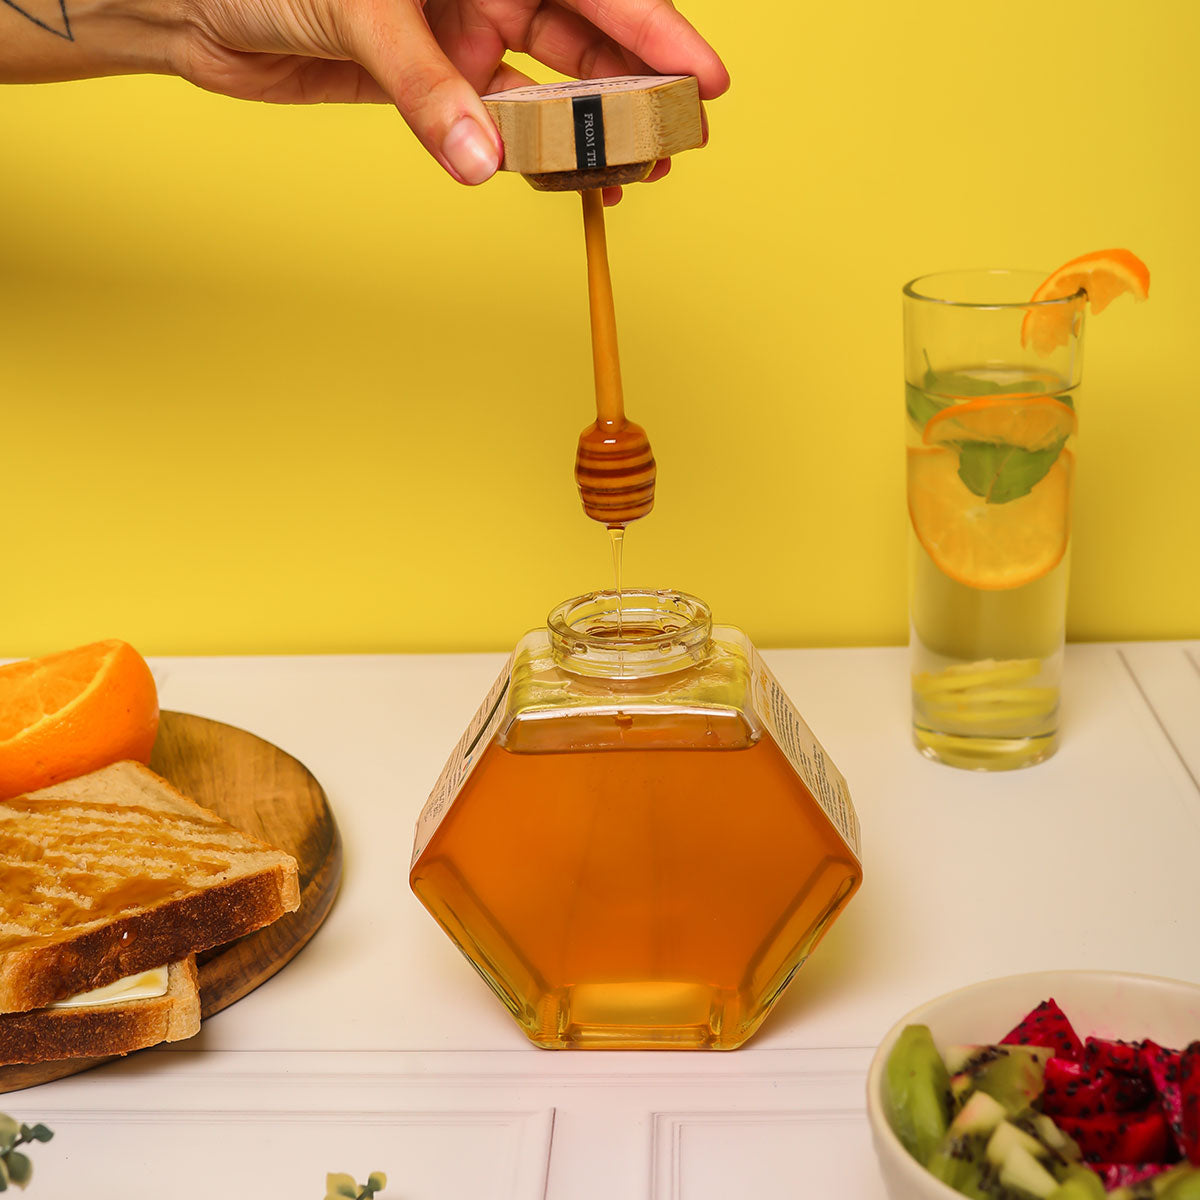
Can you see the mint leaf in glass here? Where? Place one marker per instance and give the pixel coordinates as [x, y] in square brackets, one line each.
[1000, 473]
[921, 405]
[941, 390]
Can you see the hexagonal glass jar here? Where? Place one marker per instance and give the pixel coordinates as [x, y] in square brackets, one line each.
[638, 841]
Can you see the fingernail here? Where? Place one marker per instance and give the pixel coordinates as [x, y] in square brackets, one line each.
[470, 151]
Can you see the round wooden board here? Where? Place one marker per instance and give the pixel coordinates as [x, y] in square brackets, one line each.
[262, 791]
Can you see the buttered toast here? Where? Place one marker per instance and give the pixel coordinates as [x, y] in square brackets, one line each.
[115, 873]
[105, 1029]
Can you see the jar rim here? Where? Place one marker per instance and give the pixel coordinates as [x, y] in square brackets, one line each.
[637, 631]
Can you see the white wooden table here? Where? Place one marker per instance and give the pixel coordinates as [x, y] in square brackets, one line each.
[379, 1048]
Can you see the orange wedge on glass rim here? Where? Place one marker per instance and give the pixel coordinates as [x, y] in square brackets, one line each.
[1027, 420]
[988, 546]
[1102, 276]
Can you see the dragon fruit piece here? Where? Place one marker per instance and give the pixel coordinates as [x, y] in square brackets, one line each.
[1133, 1093]
[1115, 1175]
[1162, 1066]
[1189, 1102]
[1046, 1025]
[1071, 1089]
[1119, 1137]
[1113, 1056]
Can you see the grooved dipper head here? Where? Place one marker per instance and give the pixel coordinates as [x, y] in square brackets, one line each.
[615, 471]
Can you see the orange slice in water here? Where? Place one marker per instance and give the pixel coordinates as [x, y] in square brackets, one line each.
[988, 546]
[1026, 420]
[1103, 275]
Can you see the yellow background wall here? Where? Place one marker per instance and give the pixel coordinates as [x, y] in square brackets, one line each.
[272, 383]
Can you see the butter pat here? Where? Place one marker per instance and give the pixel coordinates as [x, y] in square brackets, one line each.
[143, 986]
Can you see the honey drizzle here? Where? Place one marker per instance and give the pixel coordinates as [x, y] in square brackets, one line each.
[54, 877]
[616, 535]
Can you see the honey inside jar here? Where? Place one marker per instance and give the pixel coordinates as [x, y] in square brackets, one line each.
[634, 858]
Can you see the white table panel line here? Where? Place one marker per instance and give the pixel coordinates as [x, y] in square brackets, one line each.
[669, 1128]
[230, 1115]
[325, 1134]
[243, 1076]
[1164, 723]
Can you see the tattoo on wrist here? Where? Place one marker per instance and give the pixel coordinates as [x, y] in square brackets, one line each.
[60, 26]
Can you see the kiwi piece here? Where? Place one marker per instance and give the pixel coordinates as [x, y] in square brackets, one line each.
[1063, 1148]
[968, 1164]
[1156, 1187]
[1029, 1132]
[1057, 1152]
[1012, 1075]
[1078, 1183]
[989, 1155]
[968, 1171]
[916, 1092]
[1184, 1186]
[1023, 1174]
[1005, 1136]
[980, 1116]
[960, 1159]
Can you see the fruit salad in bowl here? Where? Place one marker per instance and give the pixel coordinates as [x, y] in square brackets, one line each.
[1058, 1085]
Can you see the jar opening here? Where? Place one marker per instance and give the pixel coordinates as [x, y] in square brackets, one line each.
[632, 633]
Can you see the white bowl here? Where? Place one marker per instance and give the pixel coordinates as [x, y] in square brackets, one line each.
[1106, 1004]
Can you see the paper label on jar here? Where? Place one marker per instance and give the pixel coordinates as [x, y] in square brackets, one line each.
[806, 754]
[463, 759]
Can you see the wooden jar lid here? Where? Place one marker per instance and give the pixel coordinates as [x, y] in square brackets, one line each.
[596, 132]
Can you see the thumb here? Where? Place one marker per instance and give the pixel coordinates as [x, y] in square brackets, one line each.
[438, 104]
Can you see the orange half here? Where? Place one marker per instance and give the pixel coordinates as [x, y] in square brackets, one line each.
[1025, 420]
[1103, 275]
[988, 546]
[65, 714]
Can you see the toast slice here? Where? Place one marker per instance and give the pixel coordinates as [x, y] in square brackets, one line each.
[105, 1029]
[115, 873]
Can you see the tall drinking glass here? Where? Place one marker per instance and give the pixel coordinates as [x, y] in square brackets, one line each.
[990, 384]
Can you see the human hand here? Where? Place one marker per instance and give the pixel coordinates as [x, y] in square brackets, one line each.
[432, 60]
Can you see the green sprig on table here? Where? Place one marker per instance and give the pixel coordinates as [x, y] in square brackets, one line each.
[338, 1186]
[17, 1168]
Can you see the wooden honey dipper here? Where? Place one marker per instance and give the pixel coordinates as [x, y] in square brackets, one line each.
[585, 135]
[614, 466]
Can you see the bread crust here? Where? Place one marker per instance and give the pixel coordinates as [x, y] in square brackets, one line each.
[106, 1029]
[60, 963]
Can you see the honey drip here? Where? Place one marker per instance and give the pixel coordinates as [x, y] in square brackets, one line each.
[614, 466]
[616, 534]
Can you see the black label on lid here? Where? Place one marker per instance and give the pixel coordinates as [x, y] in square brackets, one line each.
[588, 112]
